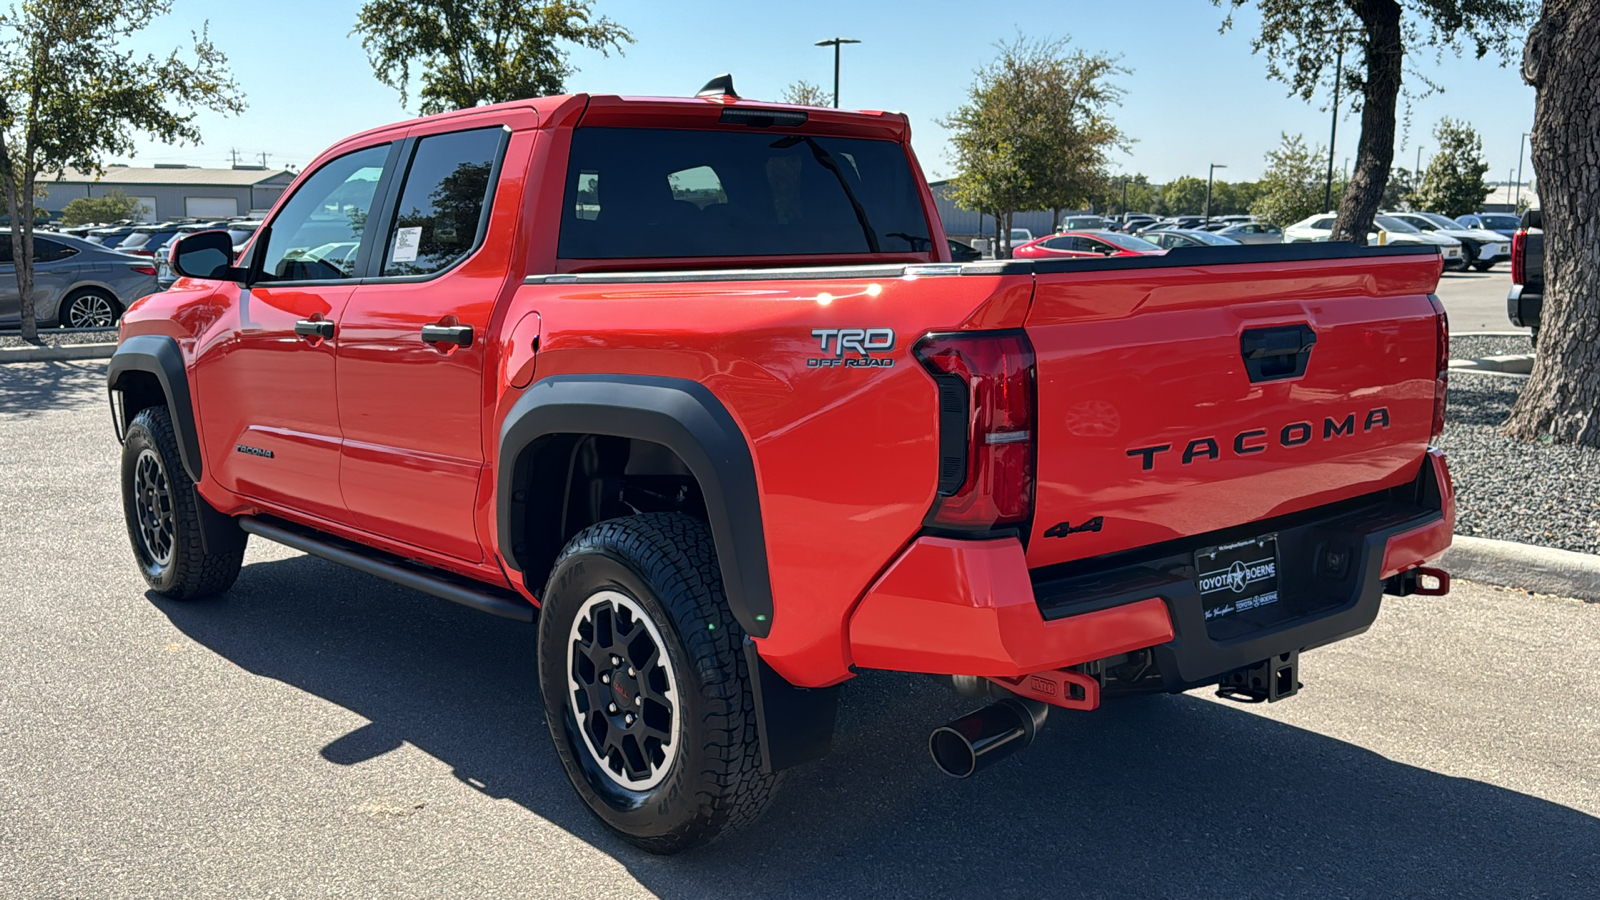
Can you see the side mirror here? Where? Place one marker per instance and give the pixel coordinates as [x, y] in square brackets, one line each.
[204, 254]
[1533, 218]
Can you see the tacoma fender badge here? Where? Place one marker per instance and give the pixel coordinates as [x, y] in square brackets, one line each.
[253, 451]
[1062, 529]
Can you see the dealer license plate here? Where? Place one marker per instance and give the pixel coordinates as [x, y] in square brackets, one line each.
[1237, 577]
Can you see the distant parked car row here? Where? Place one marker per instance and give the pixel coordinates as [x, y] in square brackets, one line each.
[1461, 243]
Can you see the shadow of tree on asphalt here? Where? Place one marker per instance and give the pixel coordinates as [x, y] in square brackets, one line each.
[1167, 796]
[28, 389]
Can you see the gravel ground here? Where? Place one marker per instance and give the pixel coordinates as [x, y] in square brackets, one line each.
[52, 337]
[1514, 491]
[1476, 346]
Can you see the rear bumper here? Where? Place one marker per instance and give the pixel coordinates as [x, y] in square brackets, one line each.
[1523, 306]
[964, 607]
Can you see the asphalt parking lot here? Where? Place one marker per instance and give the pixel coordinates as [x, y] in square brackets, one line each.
[317, 732]
[1476, 301]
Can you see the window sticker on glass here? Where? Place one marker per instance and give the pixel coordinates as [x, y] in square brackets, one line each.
[406, 242]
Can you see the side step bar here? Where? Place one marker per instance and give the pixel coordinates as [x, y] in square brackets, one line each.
[483, 598]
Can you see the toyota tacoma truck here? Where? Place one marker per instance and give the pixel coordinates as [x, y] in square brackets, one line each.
[693, 384]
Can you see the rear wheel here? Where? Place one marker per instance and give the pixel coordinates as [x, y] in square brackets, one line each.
[646, 688]
[88, 308]
[161, 507]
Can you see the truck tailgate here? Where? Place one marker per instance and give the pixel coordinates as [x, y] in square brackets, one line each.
[1154, 425]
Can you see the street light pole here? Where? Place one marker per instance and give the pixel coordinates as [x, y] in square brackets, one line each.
[1518, 201]
[1210, 176]
[835, 43]
[1333, 132]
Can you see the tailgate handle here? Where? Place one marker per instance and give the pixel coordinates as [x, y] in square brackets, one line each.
[1271, 354]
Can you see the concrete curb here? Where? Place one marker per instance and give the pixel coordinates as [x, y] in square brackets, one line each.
[1519, 364]
[56, 354]
[1541, 570]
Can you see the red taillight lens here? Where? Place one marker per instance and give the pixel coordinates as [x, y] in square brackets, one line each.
[1441, 382]
[1519, 257]
[986, 428]
[144, 270]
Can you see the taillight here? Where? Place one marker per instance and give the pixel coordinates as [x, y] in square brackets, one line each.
[1519, 257]
[144, 270]
[1441, 381]
[986, 428]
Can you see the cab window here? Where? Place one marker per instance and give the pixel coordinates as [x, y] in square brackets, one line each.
[318, 232]
[441, 214]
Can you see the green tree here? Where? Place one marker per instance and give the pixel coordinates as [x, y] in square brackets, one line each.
[1453, 183]
[1233, 198]
[1561, 399]
[1398, 192]
[71, 94]
[804, 93]
[112, 206]
[472, 52]
[1291, 188]
[1185, 196]
[1300, 37]
[1034, 132]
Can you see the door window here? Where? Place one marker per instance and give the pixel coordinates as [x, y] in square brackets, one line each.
[51, 251]
[441, 214]
[317, 233]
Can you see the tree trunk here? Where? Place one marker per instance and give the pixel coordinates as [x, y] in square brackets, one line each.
[30, 328]
[1562, 60]
[1006, 231]
[1385, 52]
[23, 260]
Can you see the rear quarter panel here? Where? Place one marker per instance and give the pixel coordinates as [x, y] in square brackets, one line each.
[845, 456]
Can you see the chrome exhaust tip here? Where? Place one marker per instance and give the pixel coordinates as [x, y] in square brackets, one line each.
[979, 739]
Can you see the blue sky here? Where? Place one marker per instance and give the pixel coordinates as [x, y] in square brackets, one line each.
[1194, 96]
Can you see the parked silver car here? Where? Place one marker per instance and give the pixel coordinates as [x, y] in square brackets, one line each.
[76, 284]
[1253, 233]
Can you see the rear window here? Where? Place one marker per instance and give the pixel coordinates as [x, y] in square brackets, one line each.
[1507, 222]
[659, 193]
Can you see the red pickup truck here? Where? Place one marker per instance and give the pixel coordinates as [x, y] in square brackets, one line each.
[696, 380]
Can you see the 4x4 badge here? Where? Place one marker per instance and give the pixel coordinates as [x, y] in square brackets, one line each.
[1062, 529]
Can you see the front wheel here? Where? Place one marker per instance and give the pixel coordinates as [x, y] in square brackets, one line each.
[163, 514]
[646, 689]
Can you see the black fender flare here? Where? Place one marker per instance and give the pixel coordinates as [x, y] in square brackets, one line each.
[683, 416]
[158, 355]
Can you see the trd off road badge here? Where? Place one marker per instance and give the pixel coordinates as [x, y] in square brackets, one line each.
[852, 348]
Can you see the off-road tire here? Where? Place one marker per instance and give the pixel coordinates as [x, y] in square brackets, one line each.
[666, 563]
[189, 572]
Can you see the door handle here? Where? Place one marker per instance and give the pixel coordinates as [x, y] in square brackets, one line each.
[460, 335]
[314, 328]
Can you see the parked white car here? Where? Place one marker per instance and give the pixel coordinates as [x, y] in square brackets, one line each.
[1389, 230]
[1480, 248]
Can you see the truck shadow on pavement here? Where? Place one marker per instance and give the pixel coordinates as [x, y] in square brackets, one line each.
[1168, 796]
